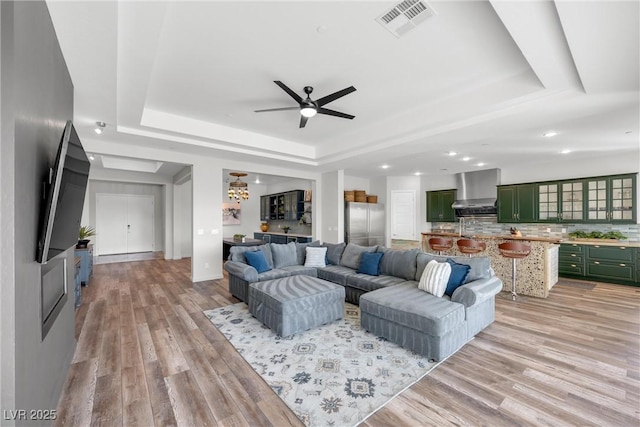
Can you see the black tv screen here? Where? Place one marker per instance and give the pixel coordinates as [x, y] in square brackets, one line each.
[62, 211]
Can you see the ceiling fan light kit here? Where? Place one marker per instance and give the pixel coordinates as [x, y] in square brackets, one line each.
[308, 107]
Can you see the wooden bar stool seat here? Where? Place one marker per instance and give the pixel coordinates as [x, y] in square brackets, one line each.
[440, 244]
[514, 250]
[471, 247]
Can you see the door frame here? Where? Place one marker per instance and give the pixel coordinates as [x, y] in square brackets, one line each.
[394, 194]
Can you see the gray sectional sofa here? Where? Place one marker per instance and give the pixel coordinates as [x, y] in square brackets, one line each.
[391, 304]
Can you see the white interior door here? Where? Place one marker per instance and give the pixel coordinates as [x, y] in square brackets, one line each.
[124, 223]
[140, 218]
[111, 224]
[403, 214]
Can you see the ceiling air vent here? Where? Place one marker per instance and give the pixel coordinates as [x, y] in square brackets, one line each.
[405, 16]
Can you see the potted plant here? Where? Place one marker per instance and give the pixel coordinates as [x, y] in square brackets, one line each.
[286, 229]
[238, 237]
[83, 234]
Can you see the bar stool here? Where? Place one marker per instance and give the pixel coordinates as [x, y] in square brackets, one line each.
[471, 247]
[514, 250]
[440, 244]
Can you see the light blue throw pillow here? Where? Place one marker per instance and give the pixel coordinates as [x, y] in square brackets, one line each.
[257, 260]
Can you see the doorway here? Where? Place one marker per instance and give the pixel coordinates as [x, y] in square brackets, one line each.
[125, 223]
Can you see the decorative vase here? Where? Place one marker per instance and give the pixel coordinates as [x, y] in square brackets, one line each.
[82, 243]
[264, 226]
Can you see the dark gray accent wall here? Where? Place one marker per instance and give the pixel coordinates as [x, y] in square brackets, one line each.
[37, 99]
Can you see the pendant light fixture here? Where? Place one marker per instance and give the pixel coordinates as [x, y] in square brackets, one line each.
[238, 189]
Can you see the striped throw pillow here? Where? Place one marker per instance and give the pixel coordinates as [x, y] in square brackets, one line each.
[315, 256]
[435, 277]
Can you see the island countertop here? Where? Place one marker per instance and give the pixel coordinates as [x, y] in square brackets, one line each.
[282, 233]
[496, 236]
[537, 273]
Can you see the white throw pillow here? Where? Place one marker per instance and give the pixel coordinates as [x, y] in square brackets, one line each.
[315, 256]
[435, 277]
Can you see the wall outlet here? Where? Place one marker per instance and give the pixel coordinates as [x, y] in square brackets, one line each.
[564, 230]
[215, 231]
[548, 230]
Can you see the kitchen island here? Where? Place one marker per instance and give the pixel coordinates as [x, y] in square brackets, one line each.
[536, 274]
[280, 237]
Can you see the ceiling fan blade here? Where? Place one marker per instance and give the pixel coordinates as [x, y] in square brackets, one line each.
[276, 109]
[291, 93]
[329, 112]
[303, 121]
[339, 94]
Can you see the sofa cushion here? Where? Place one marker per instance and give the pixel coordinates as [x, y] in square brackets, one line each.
[407, 305]
[458, 275]
[368, 283]
[399, 263]
[275, 273]
[352, 254]
[284, 255]
[435, 278]
[336, 274]
[480, 265]
[236, 253]
[334, 252]
[257, 260]
[370, 263]
[301, 250]
[301, 270]
[315, 257]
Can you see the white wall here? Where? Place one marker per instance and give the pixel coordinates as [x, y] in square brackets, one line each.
[332, 207]
[357, 183]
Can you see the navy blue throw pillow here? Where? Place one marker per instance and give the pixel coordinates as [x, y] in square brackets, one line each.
[459, 273]
[370, 263]
[257, 260]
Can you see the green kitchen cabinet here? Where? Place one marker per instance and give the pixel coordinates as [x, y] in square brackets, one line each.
[439, 206]
[614, 264]
[561, 201]
[611, 199]
[603, 263]
[571, 260]
[517, 203]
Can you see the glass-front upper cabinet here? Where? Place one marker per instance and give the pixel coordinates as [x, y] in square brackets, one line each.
[561, 201]
[572, 201]
[548, 202]
[622, 191]
[611, 199]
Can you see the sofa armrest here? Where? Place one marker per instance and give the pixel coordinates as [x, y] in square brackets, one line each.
[477, 291]
[242, 270]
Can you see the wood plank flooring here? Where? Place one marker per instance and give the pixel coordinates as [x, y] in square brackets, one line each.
[146, 356]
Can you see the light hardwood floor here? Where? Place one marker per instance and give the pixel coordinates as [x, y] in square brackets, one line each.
[146, 355]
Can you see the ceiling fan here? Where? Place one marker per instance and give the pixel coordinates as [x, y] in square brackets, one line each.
[308, 107]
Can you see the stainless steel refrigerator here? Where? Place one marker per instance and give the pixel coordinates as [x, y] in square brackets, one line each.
[364, 223]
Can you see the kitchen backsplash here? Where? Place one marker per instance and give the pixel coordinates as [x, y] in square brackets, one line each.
[490, 226]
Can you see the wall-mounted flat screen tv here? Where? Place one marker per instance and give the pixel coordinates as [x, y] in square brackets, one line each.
[62, 209]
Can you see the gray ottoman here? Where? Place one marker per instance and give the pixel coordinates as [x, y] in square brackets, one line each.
[295, 304]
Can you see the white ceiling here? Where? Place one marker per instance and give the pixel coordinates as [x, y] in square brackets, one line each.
[482, 79]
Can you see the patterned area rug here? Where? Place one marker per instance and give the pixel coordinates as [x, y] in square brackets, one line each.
[334, 375]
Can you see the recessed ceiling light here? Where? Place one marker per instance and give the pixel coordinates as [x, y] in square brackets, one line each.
[91, 157]
[466, 159]
[566, 151]
[418, 173]
[257, 181]
[99, 127]
[480, 164]
[385, 166]
[452, 153]
[549, 134]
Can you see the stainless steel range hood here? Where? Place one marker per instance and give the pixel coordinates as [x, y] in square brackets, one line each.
[477, 193]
